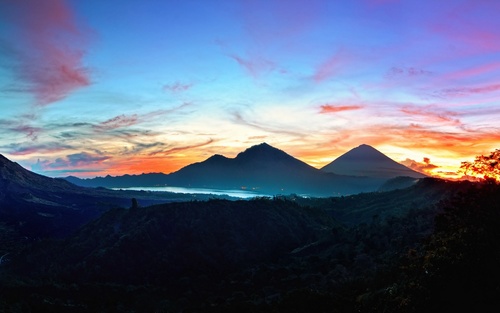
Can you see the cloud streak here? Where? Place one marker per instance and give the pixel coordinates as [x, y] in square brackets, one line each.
[331, 108]
[181, 148]
[432, 115]
[118, 122]
[177, 87]
[49, 43]
[254, 66]
[331, 66]
[397, 72]
[467, 91]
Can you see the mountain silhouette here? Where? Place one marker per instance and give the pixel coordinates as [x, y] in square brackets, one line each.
[268, 170]
[15, 178]
[35, 206]
[368, 161]
[260, 168]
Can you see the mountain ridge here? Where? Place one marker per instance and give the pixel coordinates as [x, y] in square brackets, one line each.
[261, 168]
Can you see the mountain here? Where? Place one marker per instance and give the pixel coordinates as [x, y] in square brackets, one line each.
[368, 161]
[13, 177]
[261, 168]
[36, 206]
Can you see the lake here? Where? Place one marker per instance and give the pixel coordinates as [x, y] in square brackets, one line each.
[244, 194]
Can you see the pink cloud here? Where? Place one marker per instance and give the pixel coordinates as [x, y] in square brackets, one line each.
[51, 61]
[431, 114]
[472, 72]
[330, 108]
[466, 91]
[177, 87]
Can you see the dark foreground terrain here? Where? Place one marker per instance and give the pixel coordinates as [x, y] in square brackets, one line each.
[431, 247]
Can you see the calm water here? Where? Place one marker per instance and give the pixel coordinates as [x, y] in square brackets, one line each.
[245, 194]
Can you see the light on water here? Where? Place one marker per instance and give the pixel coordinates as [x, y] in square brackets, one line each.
[245, 194]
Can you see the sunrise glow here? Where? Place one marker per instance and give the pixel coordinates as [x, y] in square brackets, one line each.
[91, 88]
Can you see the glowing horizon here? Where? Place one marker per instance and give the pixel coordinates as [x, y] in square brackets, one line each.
[91, 89]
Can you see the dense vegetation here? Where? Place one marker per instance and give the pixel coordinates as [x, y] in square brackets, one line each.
[427, 248]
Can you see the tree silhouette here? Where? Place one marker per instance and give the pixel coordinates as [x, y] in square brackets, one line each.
[484, 166]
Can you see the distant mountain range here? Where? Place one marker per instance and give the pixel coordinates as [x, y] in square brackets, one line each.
[268, 170]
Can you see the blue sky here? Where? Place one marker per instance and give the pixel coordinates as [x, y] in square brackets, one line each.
[111, 87]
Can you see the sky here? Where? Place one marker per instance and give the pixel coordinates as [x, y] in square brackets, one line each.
[91, 88]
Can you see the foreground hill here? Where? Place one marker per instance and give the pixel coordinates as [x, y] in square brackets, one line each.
[368, 161]
[262, 255]
[260, 168]
[36, 206]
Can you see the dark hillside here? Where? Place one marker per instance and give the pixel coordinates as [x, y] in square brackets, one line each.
[364, 207]
[456, 269]
[421, 249]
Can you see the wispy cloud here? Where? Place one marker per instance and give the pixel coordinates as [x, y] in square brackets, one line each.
[238, 118]
[398, 72]
[467, 91]
[29, 148]
[77, 163]
[49, 48]
[273, 30]
[255, 66]
[331, 66]
[472, 72]
[432, 114]
[182, 148]
[30, 131]
[177, 87]
[118, 122]
[76, 160]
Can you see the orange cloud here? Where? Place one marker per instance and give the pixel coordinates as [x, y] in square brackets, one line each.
[425, 167]
[330, 108]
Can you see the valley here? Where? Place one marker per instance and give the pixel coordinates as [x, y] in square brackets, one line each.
[68, 248]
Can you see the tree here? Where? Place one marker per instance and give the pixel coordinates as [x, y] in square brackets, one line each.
[486, 167]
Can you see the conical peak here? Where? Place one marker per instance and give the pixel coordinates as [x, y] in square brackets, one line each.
[363, 151]
[365, 160]
[262, 150]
